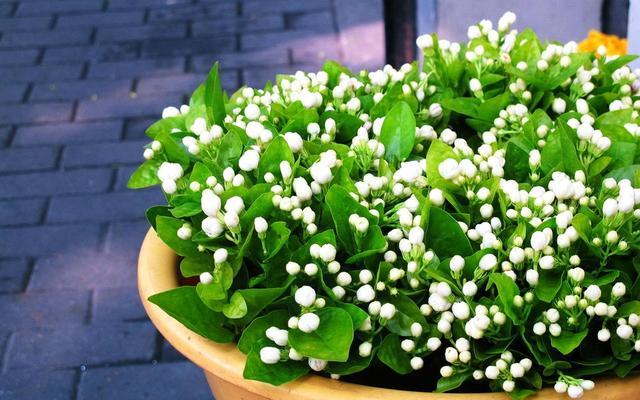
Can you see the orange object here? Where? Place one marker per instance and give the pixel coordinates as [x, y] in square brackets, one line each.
[615, 46]
[223, 363]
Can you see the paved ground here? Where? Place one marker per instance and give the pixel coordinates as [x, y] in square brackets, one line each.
[79, 82]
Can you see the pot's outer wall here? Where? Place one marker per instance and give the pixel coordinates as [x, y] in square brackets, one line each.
[223, 363]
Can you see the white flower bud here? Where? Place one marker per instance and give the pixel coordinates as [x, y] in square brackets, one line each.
[387, 311]
[270, 355]
[308, 322]
[305, 296]
[260, 224]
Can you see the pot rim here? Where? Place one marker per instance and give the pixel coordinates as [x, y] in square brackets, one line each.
[156, 273]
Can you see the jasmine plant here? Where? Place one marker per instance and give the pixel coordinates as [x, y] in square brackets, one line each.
[478, 213]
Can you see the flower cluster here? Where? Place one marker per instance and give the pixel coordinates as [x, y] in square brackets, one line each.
[478, 214]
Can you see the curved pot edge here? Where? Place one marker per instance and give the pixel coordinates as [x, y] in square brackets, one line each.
[156, 273]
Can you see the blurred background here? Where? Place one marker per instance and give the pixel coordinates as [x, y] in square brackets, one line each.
[79, 82]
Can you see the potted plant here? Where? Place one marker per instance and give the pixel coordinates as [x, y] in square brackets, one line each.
[470, 225]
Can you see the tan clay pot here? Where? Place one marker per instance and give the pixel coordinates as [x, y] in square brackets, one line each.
[223, 363]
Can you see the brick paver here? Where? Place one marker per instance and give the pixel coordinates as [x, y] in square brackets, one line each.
[79, 82]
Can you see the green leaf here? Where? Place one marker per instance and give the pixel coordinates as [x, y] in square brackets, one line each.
[444, 236]
[229, 150]
[257, 328]
[186, 210]
[438, 152]
[277, 151]
[274, 374]
[165, 126]
[184, 305]
[453, 382]
[214, 97]
[236, 308]
[196, 264]
[334, 69]
[342, 205]
[347, 125]
[568, 341]
[167, 229]
[398, 133]
[507, 290]
[392, 355]
[331, 341]
[277, 236]
[560, 151]
[631, 172]
[618, 117]
[407, 312]
[145, 175]
[358, 315]
[153, 212]
[257, 299]
[631, 307]
[548, 285]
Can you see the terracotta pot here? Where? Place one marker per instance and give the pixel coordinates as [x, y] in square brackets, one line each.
[223, 363]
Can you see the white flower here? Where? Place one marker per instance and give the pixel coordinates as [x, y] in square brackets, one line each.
[559, 105]
[539, 240]
[317, 365]
[387, 311]
[327, 253]
[308, 322]
[231, 220]
[492, 372]
[604, 335]
[488, 262]
[416, 363]
[424, 42]
[546, 262]
[575, 391]
[184, 232]
[170, 171]
[305, 296]
[285, 170]
[416, 235]
[364, 350]
[206, 278]
[534, 158]
[254, 129]
[278, 336]
[212, 227]
[169, 112]
[436, 197]
[435, 110]
[260, 224]
[460, 310]
[234, 204]
[252, 111]
[560, 387]
[456, 264]
[321, 173]
[475, 85]
[292, 268]
[469, 289]
[618, 290]
[592, 293]
[220, 256]
[516, 255]
[539, 328]
[408, 345]
[624, 332]
[294, 141]
[270, 355]
[365, 294]
[449, 168]
[249, 160]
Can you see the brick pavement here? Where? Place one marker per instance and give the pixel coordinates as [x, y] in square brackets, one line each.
[79, 82]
